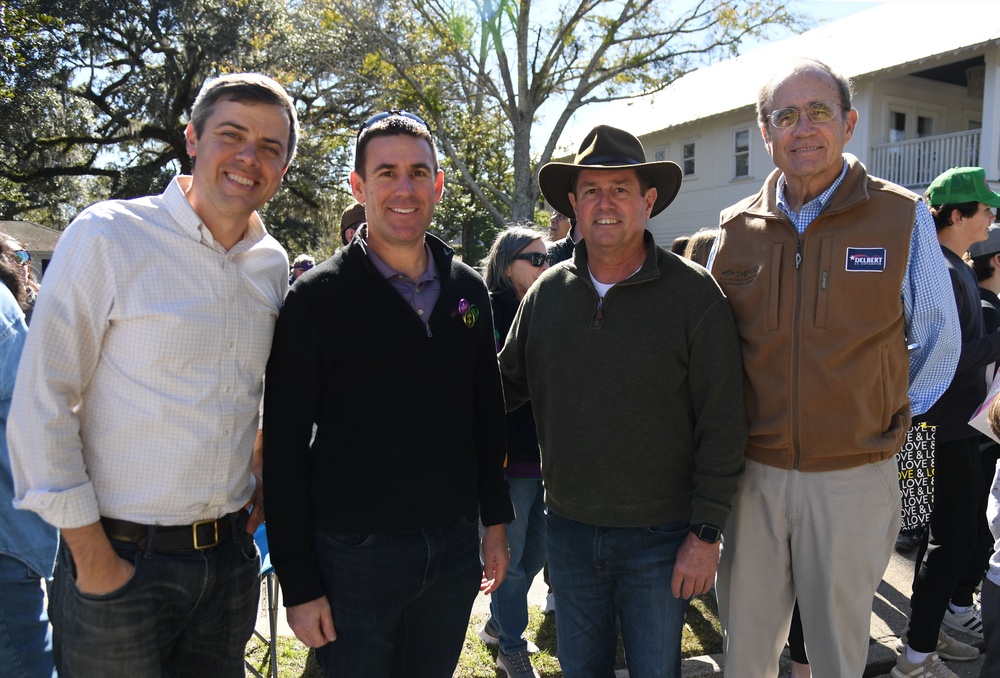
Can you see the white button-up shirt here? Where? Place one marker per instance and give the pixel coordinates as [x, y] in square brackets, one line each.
[139, 386]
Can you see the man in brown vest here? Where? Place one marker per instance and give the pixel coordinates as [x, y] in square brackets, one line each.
[815, 267]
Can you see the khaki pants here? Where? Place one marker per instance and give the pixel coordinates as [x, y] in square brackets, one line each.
[823, 538]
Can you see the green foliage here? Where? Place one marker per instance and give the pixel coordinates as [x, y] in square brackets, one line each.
[467, 61]
[95, 94]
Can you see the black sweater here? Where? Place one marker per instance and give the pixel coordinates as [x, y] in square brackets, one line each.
[952, 411]
[522, 437]
[409, 417]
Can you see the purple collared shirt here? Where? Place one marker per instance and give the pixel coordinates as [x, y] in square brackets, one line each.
[421, 294]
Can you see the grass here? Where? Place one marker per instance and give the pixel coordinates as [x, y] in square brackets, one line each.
[702, 635]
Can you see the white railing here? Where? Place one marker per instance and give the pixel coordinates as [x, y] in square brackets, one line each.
[915, 163]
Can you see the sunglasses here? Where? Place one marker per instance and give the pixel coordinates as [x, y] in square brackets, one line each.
[536, 259]
[304, 266]
[21, 257]
[819, 112]
[388, 114]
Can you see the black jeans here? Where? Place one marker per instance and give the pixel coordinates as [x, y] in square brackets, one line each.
[947, 552]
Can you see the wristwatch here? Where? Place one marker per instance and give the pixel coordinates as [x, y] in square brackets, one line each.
[706, 532]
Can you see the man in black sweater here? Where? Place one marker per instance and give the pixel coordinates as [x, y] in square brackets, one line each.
[962, 205]
[373, 523]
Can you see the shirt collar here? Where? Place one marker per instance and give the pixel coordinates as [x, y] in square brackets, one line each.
[183, 213]
[386, 271]
[819, 203]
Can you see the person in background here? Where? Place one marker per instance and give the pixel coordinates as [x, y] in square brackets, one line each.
[302, 263]
[947, 566]
[699, 245]
[27, 543]
[559, 226]
[991, 583]
[514, 262]
[24, 282]
[351, 220]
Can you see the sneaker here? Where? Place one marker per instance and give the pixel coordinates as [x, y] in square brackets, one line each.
[491, 636]
[550, 603]
[490, 633]
[909, 540]
[516, 665]
[947, 648]
[932, 667]
[970, 622]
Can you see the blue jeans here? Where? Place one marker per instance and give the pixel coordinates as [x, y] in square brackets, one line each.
[400, 600]
[25, 636]
[185, 613]
[526, 540]
[598, 573]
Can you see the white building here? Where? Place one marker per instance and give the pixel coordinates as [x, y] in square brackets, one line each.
[927, 91]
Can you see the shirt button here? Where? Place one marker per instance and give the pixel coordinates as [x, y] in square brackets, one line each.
[420, 311]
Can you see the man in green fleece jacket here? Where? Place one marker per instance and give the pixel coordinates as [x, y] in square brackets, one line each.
[629, 355]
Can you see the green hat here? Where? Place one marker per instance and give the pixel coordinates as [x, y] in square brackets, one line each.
[962, 184]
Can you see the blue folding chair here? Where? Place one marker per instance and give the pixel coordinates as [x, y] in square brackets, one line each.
[271, 600]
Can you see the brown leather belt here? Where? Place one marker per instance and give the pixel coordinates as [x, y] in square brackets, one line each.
[204, 534]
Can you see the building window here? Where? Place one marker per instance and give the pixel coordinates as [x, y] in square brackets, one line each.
[688, 157]
[659, 155]
[741, 153]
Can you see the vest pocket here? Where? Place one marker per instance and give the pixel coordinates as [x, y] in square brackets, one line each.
[823, 281]
[774, 297]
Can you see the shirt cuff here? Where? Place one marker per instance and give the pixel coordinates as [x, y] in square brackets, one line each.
[65, 509]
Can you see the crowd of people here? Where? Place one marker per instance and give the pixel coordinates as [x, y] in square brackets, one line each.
[645, 424]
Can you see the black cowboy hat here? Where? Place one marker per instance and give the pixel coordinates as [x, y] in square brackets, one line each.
[608, 148]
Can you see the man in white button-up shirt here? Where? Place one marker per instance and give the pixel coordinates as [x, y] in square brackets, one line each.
[135, 417]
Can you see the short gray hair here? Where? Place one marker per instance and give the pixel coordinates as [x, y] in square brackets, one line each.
[765, 97]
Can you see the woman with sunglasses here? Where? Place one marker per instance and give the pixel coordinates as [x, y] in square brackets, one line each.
[515, 261]
[27, 543]
[17, 274]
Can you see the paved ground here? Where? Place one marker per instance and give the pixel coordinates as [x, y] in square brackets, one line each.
[889, 614]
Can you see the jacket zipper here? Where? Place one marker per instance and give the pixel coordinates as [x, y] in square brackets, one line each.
[796, 358]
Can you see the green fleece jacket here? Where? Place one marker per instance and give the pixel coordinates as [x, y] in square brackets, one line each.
[638, 397]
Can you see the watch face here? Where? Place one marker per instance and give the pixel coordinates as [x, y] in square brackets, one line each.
[708, 533]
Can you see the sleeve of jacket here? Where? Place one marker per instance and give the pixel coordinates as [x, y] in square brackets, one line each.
[716, 384]
[978, 352]
[288, 422]
[491, 425]
[512, 357]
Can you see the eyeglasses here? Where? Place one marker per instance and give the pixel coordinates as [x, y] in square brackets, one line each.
[304, 265]
[388, 114]
[22, 257]
[819, 112]
[536, 259]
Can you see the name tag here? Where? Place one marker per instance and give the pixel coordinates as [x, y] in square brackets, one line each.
[866, 259]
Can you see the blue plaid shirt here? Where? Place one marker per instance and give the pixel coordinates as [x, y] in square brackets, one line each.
[928, 300]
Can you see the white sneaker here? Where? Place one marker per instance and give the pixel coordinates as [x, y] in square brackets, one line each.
[970, 622]
[932, 667]
[947, 648]
[550, 604]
